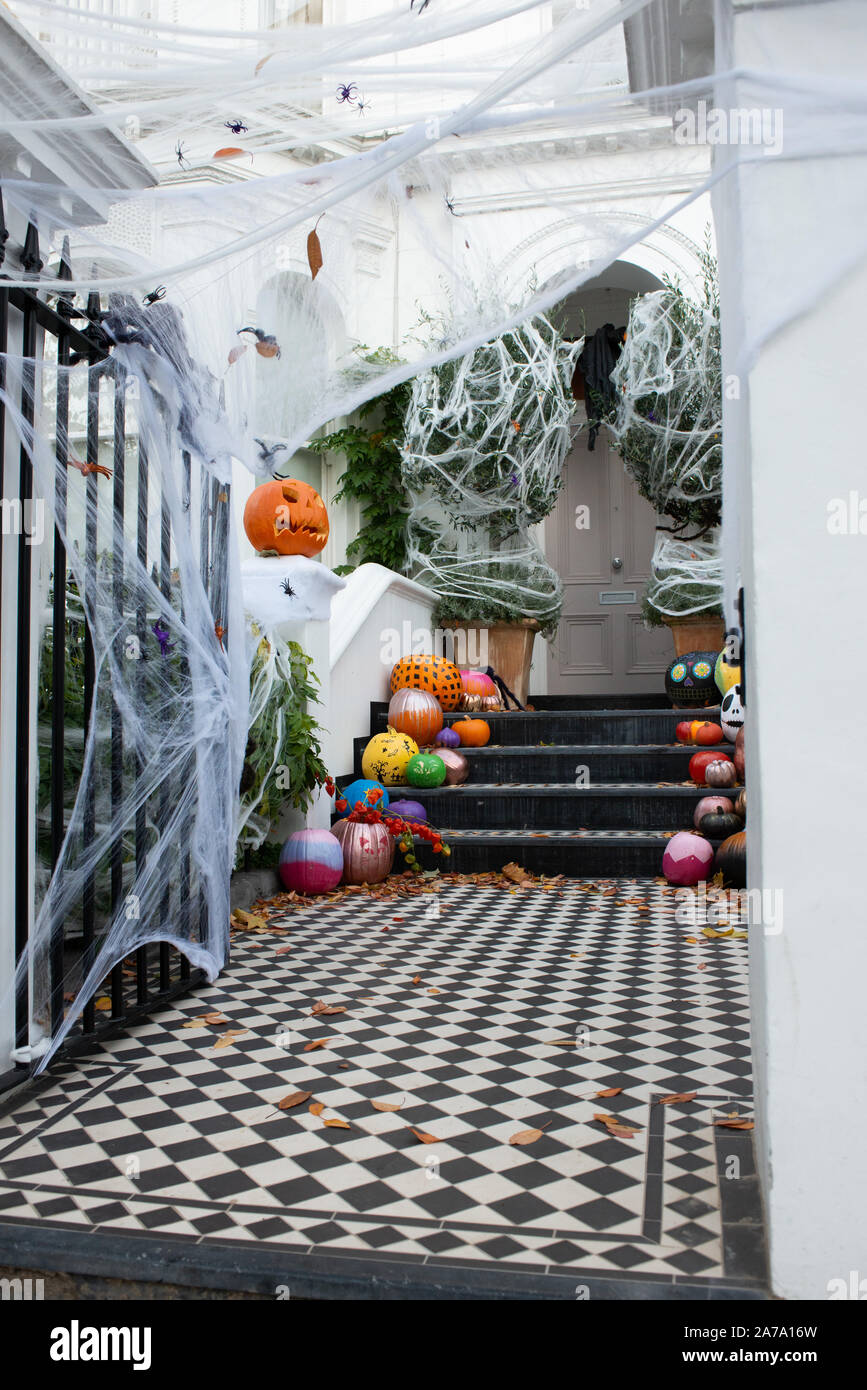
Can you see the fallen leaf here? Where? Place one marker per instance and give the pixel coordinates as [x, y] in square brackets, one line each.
[320, 1042]
[433, 991]
[679, 1099]
[103, 1005]
[295, 1098]
[623, 1131]
[735, 1124]
[261, 63]
[577, 955]
[384, 1106]
[416, 979]
[526, 1136]
[282, 950]
[425, 1138]
[317, 1107]
[326, 1009]
[516, 874]
[613, 1091]
[703, 966]
[336, 1124]
[693, 940]
[314, 253]
[226, 1039]
[562, 1042]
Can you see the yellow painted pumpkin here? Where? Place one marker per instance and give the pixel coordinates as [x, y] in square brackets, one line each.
[431, 673]
[386, 756]
[287, 516]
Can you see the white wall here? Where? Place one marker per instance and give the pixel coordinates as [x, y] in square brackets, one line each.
[798, 439]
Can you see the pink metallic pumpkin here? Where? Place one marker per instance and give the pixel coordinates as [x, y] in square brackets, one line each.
[687, 859]
[721, 773]
[477, 683]
[457, 767]
[368, 851]
[711, 803]
[417, 713]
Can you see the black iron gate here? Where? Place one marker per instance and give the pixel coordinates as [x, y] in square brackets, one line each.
[51, 333]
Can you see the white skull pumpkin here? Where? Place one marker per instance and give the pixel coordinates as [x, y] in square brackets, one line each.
[731, 713]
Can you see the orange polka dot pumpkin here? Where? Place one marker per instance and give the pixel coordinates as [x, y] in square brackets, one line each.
[431, 673]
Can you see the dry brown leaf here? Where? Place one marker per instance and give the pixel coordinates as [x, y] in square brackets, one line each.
[680, 1099]
[612, 1091]
[317, 1107]
[314, 253]
[103, 1006]
[261, 63]
[336, 1124]
[384, 1106]
[424, 1138]
[296, 1098]
[607, 1119]
[320, 1042]
[735, 1124]
[226, 1039]
[416, 979]
[327, 1009]
[516, 874]
[562, 1042]
[703, 966]
[526, 1136]
[282, 950]
[693, 940]
[433, 991]
[623, 1131]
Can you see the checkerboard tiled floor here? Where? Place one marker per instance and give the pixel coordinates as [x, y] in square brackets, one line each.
[479, 1013]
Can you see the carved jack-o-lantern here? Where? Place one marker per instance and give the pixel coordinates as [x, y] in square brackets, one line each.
[287, 516]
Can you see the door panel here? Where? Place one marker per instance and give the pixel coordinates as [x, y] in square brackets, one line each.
[602, 646]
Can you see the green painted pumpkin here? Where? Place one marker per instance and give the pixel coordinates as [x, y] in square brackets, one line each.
[425, 770]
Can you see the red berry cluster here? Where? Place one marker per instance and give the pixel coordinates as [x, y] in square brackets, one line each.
[402, 830]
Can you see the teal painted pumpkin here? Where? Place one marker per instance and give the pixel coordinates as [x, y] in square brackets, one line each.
[425, 770]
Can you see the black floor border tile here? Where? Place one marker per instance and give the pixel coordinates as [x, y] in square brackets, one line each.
[250, 1267]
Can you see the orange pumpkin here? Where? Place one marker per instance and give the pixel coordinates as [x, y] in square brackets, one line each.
[473, 733]
[416, 713]
[431, 673]
[703, 732]
[287, 516]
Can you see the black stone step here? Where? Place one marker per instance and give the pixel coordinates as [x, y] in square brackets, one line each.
[558, 806]
[616, 762]
[576, 855]
[654, 700]
[600, 726]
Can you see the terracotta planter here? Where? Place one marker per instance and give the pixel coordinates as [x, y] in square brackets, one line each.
[510, 650]
[697, 634]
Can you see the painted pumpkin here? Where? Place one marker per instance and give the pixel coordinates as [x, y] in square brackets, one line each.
[408, 810]
[739, 759]
[689, 679]
[358, 791]
[725, 674]
[425, 770]
[705, 733]
[287, 516]
[683, 732]
[417, 713]
[367, 851]
[708, 804]
[431, 673]
[718, 825]
[473, 733]
[447, 738]
[741, 804]
[687, 859]
[477, 683]
[386, 756]
[731, 713]
[697, 764]
[491, 703]
[721, 773]
[311, 861]
[457, 767]
[731, 859]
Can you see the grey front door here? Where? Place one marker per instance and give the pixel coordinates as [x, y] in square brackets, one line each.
[600, 538]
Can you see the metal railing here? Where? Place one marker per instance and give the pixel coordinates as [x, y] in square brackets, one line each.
[157, 972]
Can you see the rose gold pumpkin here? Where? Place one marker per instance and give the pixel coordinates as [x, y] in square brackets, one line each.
[457, 767]
[368, 850]
[721, 773]
[417, 713]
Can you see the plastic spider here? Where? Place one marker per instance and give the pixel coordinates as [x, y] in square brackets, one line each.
[155, 294]
[422, 7]
[181, 152]
[236, 127]
[347, 91]
[361, 106]
[286, 586]
[451, 207]
[268, 455]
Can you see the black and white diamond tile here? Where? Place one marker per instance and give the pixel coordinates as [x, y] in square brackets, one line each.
[481, 1013]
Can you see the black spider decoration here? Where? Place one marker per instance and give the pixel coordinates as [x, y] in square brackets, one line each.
[347, 91]
[286, 586]
[155, 294]
[362, 105]
[181, 152]
[236, 127]
[422, 7]
[450, 206]
[268, 455]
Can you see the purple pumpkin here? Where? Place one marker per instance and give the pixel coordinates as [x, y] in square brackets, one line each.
[687, 859]
[447, 738]
[408, 810]
[311, 861]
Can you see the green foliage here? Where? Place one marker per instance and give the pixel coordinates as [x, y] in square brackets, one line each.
[502, 595]
[693, 600]
[372, 475]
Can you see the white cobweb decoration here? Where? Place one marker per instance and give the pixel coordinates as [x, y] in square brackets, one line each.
[667, 427]
[485, 440]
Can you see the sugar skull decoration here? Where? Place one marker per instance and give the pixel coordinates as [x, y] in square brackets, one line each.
[732, 713]
[689, 679]
[287, 516]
